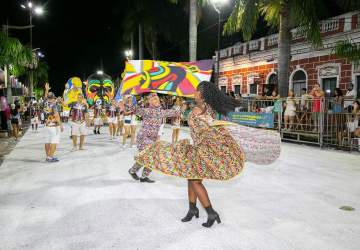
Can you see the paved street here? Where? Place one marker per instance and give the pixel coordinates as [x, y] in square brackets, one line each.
[88, 201]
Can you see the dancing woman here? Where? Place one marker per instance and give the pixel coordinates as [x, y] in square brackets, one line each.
[218, 152]
[112, 113]
[129, 121]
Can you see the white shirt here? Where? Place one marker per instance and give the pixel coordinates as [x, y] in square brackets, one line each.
[351, 93]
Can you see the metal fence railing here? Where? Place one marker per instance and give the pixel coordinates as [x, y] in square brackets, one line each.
[325, 122]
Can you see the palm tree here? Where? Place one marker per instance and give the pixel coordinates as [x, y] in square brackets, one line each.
[284, 15]
[39, 73]
[150, 26]
[194, 7]
[14, 57]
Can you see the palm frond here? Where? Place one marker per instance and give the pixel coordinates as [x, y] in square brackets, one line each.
[305, 14]
[243, 18]
[347, 49]
[270, 9]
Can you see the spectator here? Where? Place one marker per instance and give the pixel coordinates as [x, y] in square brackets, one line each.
[15, 120]
[338, 100]
[317, 95]
[290, 110]
[304, 104]
[352, 124]
[349, 97]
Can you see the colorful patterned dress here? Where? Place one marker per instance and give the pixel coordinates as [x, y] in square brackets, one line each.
[218, 152]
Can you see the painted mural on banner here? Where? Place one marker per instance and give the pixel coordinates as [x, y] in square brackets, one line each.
[172, 78]
[253, 119]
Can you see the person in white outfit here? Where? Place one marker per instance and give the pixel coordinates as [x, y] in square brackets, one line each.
[78, 115]
[290, 110]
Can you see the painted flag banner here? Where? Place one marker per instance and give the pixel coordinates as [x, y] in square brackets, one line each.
[171, 78]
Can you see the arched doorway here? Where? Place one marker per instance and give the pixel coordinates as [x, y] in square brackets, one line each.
[298, 81]
[271, 84]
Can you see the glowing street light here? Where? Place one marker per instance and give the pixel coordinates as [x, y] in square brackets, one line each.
[39, 11]
[128, 54]
[99, 72]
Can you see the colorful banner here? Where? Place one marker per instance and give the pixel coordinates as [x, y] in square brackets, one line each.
[253, 119]
[172, 78]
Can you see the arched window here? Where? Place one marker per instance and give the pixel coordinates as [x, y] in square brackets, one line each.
[271, 84]
[298, 82]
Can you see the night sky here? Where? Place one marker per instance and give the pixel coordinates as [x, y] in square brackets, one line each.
[77, 37]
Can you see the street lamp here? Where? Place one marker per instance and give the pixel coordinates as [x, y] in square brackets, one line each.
[33, 10]
[99, 72]
[216, 4]
[128, 54]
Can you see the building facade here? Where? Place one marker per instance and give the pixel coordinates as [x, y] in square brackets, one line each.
[250, 68]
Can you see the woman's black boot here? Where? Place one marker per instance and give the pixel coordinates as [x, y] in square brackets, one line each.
[212, 217]
[193, 211]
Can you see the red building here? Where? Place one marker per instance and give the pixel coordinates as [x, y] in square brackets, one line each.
[249, 68]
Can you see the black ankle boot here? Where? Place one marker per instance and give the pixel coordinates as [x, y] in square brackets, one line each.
[212, 217]
[193, 211]
[134, 176]
[146, 179]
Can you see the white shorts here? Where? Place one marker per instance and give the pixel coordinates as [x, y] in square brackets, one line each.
[52, 135]
[175, 126]
[133, 120]
[98, 121]
[127, 120]
[112, 119]
[66, 113]
[290, 113]
[78, 129]
[161, 130]
[35, 120]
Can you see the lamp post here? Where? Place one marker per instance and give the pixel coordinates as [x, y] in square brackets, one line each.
[33, 10]
[216, 5]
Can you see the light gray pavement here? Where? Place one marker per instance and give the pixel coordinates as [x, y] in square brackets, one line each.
[88, 201]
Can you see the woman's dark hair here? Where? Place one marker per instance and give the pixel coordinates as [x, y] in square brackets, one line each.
[338, 92]
[216, 99]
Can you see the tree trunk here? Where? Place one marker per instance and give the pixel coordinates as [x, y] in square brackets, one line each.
[141, 42]
[284, 49]
[192, 30]
[9, 96]
[31, 85]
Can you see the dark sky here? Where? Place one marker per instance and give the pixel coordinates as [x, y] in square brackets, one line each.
[78, 36]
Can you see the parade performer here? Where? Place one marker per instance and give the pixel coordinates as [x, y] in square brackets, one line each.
[53, 125]
[120, 126]
[129, 121]
[112, 114]
[78, 113]
[151, 121]
[35, 116]
[176, 122]
[218, 152]
[97, 120]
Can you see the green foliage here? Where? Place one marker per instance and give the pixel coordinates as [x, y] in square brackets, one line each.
[15, 55]
[38, 92]
[40, 73]
[348, 50]
[302, 13]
